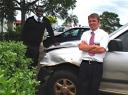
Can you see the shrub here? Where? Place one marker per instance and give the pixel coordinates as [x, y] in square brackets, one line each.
[15, 77]
[10, 35]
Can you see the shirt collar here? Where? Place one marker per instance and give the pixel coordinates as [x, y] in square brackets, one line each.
[36, 18]
[95, 30]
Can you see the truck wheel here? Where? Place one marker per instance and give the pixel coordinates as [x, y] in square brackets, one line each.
[62, 82]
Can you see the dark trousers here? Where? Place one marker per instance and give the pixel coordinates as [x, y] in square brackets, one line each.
[90, 75]
[33, 53]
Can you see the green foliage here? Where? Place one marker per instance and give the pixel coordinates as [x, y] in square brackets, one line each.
[15, 77]
[58, 8]
[52, 19]
[109, 21]
[7, 9]
[8, 12]
[71, 19]
[18, 28]
[10, 35]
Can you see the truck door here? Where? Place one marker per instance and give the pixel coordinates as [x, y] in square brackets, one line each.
[115, 77]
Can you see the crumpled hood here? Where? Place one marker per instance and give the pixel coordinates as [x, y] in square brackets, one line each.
[61, 54]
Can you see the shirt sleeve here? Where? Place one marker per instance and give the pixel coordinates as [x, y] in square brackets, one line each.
[83, 36]
[104, 41]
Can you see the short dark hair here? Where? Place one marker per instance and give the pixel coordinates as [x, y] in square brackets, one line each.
[94, 15]
[39, 8]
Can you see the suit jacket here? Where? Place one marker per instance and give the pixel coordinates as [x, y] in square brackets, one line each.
[33, 31]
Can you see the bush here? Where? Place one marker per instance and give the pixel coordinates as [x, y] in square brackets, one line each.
[15, 77]
[11, 35]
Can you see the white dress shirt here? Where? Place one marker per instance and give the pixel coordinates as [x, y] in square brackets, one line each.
[101, 38]
[36, 18]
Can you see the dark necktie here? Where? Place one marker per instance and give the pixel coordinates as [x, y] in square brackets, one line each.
[39, 20]
[91, 42]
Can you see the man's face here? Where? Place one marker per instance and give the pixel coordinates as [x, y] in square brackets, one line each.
[39, 12]
[93, 23]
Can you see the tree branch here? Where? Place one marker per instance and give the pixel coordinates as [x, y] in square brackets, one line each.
[17, 2]
[31, 3]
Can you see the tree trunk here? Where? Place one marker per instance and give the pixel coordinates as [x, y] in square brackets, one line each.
[10, 26]
[23, 12]
[2, 36]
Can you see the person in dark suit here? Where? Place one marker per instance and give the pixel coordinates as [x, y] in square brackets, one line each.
[32, 34]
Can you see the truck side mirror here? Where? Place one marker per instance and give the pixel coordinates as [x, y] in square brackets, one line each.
[115, 45]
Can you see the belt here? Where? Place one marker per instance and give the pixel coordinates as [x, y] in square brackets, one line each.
[92, 62]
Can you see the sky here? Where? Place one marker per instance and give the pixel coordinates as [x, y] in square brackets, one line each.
[85, 8]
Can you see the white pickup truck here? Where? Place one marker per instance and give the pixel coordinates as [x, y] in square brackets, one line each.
[60, 66]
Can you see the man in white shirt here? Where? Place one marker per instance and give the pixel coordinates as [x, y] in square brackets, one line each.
[93, 45]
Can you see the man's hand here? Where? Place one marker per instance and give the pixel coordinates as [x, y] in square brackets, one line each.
[83, 45]
[88, 48]
[96, 49]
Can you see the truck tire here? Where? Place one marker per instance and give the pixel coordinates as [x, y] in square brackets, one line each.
[62, 82]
